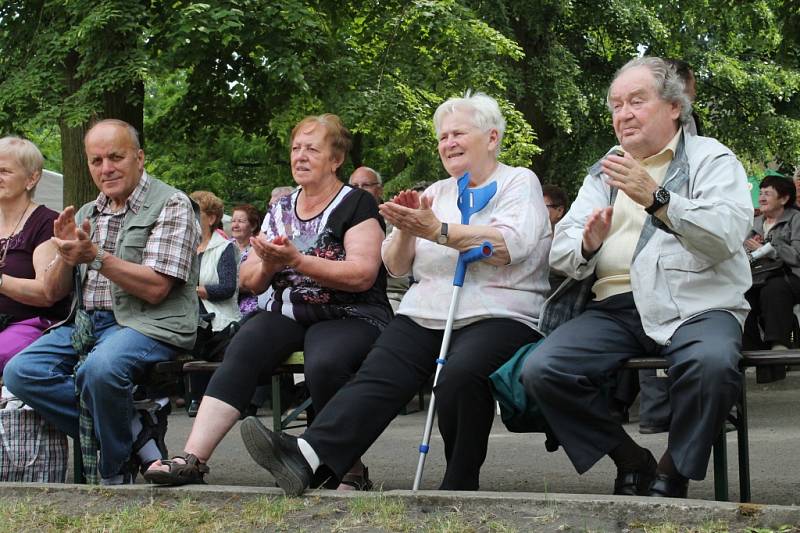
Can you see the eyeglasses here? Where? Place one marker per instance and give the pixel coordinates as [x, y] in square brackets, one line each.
[364, 185]
[552, 206]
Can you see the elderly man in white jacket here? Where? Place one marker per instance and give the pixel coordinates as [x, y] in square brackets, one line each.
[654, 242]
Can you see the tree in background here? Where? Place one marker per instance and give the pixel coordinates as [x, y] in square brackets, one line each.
[221, 84]
[63, 63]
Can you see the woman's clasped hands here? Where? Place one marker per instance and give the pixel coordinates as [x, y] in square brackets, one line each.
[277, 252]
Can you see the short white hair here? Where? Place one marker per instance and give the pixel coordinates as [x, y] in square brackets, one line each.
[24, 152]
[485, 113]
[374, 172]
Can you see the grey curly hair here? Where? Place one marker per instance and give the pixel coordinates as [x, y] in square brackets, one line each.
[668, 84]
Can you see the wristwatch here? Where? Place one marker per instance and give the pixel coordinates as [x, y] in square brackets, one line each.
[660, 199]
[442, 238]
[97, 262]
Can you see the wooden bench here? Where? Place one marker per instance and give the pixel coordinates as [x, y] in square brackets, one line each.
[292, 365]
[766, 363]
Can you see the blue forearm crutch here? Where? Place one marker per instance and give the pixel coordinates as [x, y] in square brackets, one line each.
[470, 201]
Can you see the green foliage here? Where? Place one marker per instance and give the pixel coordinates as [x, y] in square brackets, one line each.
[225, 81]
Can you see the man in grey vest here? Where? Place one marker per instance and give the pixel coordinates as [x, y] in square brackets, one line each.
[656, 236]
[133, 254]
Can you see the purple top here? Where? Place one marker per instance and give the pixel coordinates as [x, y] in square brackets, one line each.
[19, 264]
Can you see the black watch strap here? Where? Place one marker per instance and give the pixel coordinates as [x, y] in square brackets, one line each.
[660, 199]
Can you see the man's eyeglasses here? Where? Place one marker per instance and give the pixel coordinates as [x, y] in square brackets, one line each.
[364, 185]
[552, 206]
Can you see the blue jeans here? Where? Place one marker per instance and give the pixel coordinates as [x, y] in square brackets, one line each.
[42, 377]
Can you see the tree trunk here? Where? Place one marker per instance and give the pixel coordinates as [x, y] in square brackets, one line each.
[78, 185]
[126, 103]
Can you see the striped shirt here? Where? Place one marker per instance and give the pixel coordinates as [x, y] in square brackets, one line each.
[170, 249]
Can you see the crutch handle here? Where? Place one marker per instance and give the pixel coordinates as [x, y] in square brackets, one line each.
[478, 253]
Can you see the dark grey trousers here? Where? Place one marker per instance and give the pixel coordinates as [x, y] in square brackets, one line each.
[564, 375]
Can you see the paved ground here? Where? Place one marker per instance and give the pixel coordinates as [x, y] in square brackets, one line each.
[519, 462]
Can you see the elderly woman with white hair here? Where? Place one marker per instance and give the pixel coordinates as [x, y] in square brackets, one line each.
[498, 312]
[25, 250]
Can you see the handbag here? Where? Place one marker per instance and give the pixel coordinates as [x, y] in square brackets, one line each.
[32, 449]
[765, 268]
[210, 345]
[519, 412]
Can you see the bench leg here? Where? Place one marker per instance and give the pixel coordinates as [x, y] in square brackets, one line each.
[291, 417]
[77, 463]
[277, 408]
[743, 442]
[721, 467]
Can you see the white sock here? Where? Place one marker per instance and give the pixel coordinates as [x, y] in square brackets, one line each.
[310, 455]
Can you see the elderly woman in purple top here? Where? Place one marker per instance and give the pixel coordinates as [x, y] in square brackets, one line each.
[25, 250]
[245, 223]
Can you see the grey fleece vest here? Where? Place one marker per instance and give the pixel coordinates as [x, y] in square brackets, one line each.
[174, 320]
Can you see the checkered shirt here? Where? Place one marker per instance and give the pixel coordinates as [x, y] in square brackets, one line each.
[170, 249]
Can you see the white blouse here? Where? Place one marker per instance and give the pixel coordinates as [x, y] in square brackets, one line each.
[517, 290]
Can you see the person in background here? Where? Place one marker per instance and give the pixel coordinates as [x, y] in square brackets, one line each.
[796, 179]
[245, 224]
[775, 234]
[369, 180]
[654, 239]
[278, 193]
[686, 74]
[217, 286]
[26, 309]
[555, 200]
[318, 262]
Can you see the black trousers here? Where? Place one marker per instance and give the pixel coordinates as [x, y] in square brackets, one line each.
[567, 370]
[402, 360]
[771, 304]
[334, 349]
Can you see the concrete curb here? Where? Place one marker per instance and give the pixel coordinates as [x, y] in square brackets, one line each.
[622, 510]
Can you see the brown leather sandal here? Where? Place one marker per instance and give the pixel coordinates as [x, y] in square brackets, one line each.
[189, 472]
[358, 482]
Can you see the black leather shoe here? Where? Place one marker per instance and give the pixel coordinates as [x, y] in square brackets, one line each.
[650, 429]
[664, 486]
[278, 453]
[638, 482]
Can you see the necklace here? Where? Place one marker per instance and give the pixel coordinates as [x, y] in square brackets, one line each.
[7, 240]
[324, 200]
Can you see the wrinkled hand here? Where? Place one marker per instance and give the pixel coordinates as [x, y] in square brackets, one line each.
[753, 244]
[64, 226]
[277, 253]
[78, 250]
[596, 230]
[627, 174]
[408, 199]
[418, 221]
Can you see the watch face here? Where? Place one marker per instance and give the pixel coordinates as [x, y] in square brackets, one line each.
[662, 196]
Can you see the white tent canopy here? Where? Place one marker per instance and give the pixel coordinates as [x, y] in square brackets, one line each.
[50, 190]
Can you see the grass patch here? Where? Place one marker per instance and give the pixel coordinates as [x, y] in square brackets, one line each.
[271, 511]
[376, 511]
[707, 527]
[185, 516]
